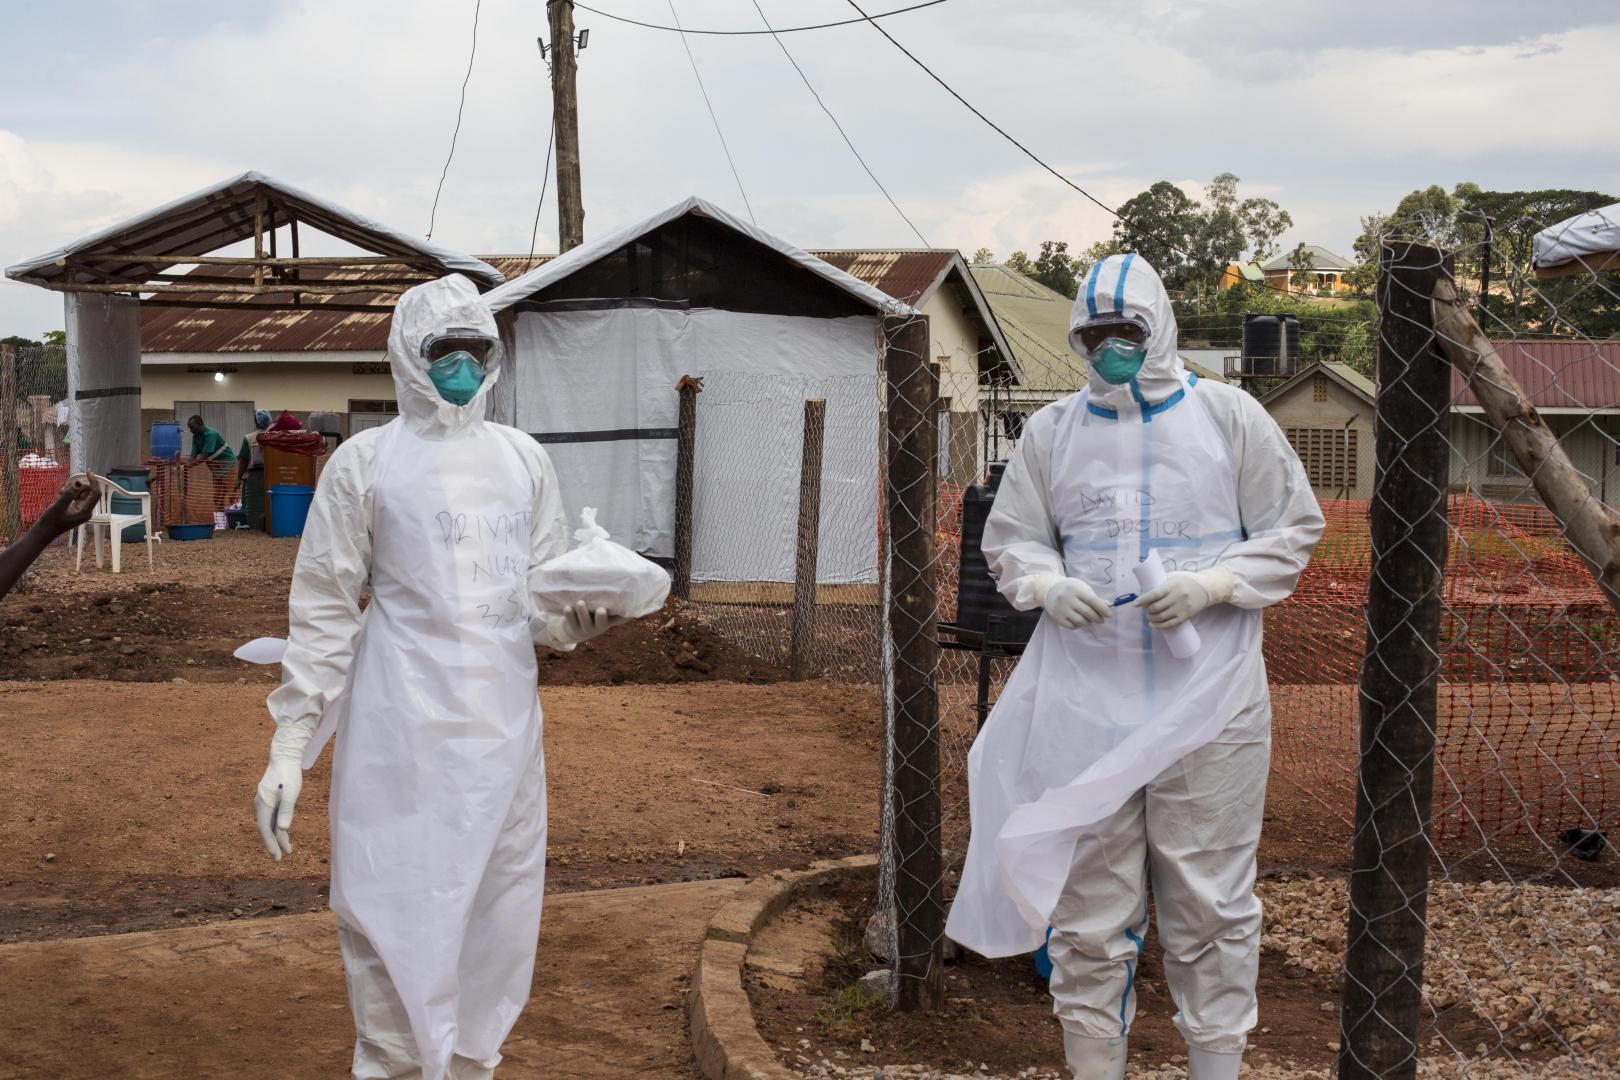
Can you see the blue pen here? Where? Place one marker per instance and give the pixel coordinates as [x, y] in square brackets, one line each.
[1121, 601]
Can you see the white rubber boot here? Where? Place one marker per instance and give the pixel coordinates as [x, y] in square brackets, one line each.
[1208, 1065]
[1094, 1059]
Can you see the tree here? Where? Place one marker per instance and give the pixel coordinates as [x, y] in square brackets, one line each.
[1192, 243]
[983, 257]
[17, 341]
[1019, 262]
[1055, 267]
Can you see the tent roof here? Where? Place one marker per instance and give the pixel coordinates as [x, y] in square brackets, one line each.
[1583, 243]
[223, 214]
[565, 265]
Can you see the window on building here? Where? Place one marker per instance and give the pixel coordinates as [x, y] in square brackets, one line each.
[1500, 461]
[1319, 388]
[1328, 454]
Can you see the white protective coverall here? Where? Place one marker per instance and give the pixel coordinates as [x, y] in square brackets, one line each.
[1107, 761]
[438, 804]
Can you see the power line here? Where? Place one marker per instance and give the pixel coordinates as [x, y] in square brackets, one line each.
[839, 126]
[434, 214]
[677, 29]
[704, 91]
[999, 130]
[545, 178]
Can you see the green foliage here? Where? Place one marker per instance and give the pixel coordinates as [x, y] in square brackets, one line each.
[1468, 222]
[1190, 242]
[1340, 332]
[983, 257]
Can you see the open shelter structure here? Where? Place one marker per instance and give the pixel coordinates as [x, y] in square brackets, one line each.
[108, 277]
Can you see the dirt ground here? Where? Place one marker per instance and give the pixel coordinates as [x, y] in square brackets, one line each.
[266, 998]
[185, 618]
[130, 804]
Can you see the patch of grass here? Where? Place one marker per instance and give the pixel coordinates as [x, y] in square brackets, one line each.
[847, 1010]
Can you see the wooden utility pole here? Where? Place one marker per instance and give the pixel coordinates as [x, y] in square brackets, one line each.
[807, 555]
[1389, 885]
[10, 492]
[912, 451]
[565, 110]
[685, 467]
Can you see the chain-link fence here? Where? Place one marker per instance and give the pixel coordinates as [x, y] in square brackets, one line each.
[1482, 913]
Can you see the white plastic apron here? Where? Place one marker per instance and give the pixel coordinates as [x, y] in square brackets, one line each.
[438, 780]
[1090, 716]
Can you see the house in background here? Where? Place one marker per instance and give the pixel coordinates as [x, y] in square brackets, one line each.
[1323, 270]
[1241, 273]
[1035, 322]
[1326, 410]
[223, 364]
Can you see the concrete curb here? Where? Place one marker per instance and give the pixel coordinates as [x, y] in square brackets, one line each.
[727, 1044]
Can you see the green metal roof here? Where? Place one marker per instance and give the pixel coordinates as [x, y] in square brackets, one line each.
[1035, 322]
[1320, 259]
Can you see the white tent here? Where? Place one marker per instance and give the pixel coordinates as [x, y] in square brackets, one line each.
[1582, 244]
[601, 336]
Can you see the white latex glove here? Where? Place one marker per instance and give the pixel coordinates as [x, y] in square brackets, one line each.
[579, 623]
[1182, 595]
[278, 790]
[1071, 602]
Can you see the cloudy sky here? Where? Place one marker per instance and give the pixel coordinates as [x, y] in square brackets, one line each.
[1335, 109]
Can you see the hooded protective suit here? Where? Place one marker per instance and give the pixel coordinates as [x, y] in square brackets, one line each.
[438, 805]
[1107, 760]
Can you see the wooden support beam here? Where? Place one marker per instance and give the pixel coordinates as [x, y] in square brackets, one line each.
[246, 305]
[206, 290]
[233, 260]
[258, 238]
[685, 466]
[807, 554]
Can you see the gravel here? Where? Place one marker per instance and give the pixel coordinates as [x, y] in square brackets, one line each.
[1536, 961]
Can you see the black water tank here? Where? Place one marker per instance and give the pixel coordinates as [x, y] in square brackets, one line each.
[978, 605]
[1270, 344]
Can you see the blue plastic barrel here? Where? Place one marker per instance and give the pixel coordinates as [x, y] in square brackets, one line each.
[131, 478]
[289, 506]
[166, 440]
[1043, 958]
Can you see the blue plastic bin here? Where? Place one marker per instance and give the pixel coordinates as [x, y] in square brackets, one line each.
[289, 506]
[166, 440]
[133, 478]
[205, 531]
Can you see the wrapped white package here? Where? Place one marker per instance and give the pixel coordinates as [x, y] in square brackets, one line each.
[263, 650]
[1183, 639]
[603, 575]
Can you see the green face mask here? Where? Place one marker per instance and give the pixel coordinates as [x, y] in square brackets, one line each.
[457, 376]
[1117, 361]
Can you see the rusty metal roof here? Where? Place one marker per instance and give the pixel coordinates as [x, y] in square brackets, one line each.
[1556, 374]
[314, 327]
[905, 274]
[909, 276]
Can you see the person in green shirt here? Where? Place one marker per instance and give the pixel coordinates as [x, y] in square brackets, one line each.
[208, 447]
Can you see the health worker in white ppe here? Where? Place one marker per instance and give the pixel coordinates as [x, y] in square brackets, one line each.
[1109, 765]
[438, 804]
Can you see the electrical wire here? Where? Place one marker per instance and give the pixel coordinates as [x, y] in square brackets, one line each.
[839, 126]
[999, 130]
[434, 214]
[704, 91]
[545, 178]
[677, 29]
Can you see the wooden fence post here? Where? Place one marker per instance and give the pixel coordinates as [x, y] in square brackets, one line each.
[1383, 986]
[913, 390]
[10, 491]
[806, 556]
[685, 461]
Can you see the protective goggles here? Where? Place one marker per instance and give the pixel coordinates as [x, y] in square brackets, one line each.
[483, 348]
[1104, 327]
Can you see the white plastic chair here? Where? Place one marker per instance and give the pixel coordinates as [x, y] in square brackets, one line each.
[104, 518]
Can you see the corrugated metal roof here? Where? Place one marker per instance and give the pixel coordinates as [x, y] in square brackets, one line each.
[1321, 259]
[1556, 374]
[310, 328]
[905, 274]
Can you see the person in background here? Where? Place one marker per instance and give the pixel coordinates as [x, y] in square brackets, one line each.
[71, 509]
[251, 455]
[208, 447]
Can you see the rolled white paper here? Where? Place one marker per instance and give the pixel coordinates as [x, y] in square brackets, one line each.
[1183, 640]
